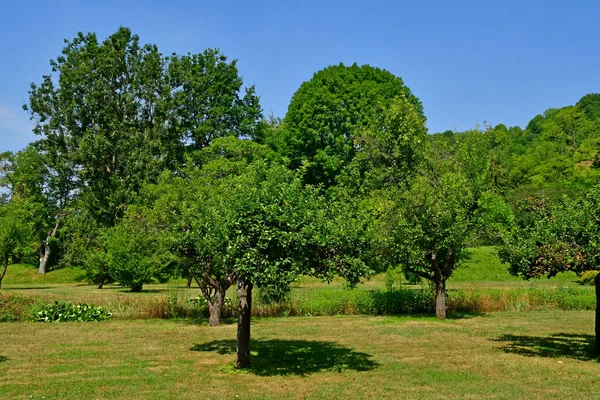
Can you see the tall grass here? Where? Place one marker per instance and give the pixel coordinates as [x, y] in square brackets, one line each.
[178, 303]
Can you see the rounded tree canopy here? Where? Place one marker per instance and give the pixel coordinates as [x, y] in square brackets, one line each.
[327, 109]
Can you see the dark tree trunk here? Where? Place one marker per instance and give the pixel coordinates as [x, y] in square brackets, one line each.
[189, 282]
[44, 258]
[3, 272]
[597, 281]
[101, 284]
[137, 287]
[440, 298]
[244, 295]
[215, 306]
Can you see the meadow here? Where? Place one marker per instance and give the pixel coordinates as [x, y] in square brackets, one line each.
[339, 344]
[534, 355]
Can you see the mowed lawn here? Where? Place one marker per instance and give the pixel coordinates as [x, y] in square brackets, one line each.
[514, 355]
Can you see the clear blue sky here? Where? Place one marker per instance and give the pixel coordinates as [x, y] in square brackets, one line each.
[468, 61]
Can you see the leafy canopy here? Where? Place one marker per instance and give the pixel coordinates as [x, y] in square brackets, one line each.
[325, 112]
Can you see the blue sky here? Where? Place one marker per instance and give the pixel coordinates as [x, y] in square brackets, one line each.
[468, 61]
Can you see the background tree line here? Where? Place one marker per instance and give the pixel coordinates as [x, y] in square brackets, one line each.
[149, 166]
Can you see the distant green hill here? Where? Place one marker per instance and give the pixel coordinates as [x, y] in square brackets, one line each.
[557, 153]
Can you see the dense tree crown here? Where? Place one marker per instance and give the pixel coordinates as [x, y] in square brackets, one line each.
[111, 117]
[326, 111]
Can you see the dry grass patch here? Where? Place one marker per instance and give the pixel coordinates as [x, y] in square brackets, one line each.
[535, 355]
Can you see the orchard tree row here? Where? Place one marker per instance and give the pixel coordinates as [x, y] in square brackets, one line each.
[150, 166]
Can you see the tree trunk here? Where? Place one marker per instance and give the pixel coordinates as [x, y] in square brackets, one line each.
[101, 284]
[47, 250]
[189, 282]
[44, 258]
[440, 298]
[597, 281]
[244, 295]
[137, 287]
[3, 272]
[215, 307]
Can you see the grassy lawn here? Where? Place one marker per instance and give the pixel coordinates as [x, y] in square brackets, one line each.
[534, 355]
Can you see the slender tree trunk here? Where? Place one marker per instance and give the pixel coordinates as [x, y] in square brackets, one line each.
[46, 250]
[215, 307]
[189, 282]
[44, 257]
[3, 272]
[440, 298]
[597, 281]
[101, 284]
[244, 295]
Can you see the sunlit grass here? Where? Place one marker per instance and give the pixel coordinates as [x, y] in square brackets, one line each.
[535, 355]
[24, 275]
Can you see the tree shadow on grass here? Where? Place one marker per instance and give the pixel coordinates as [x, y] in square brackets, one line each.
[295, 357]
[3, 359]
[579, 347]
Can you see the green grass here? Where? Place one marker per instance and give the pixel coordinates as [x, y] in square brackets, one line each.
[534, 355]
[484, 267]
[22, 274]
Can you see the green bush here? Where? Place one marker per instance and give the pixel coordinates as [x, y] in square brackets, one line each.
[65, 312]
[274, 294]
[587, 278]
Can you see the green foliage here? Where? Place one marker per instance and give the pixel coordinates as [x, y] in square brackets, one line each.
[559, 236]
[428, 226]
[327, 110]
[587, 278]
[103, 115]
[133, 253]
[67, 312]
[114, 115]
[554, 155]
[206, 102]
[14, 235]
[389, 149]
[274, 294]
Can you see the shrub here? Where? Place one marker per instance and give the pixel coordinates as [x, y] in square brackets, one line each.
[274, 294]
[587, 278]
[64, 312]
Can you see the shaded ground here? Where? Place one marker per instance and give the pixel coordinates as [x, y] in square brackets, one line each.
[576, 346]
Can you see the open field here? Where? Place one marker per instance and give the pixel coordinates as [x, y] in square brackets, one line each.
[533, 355]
